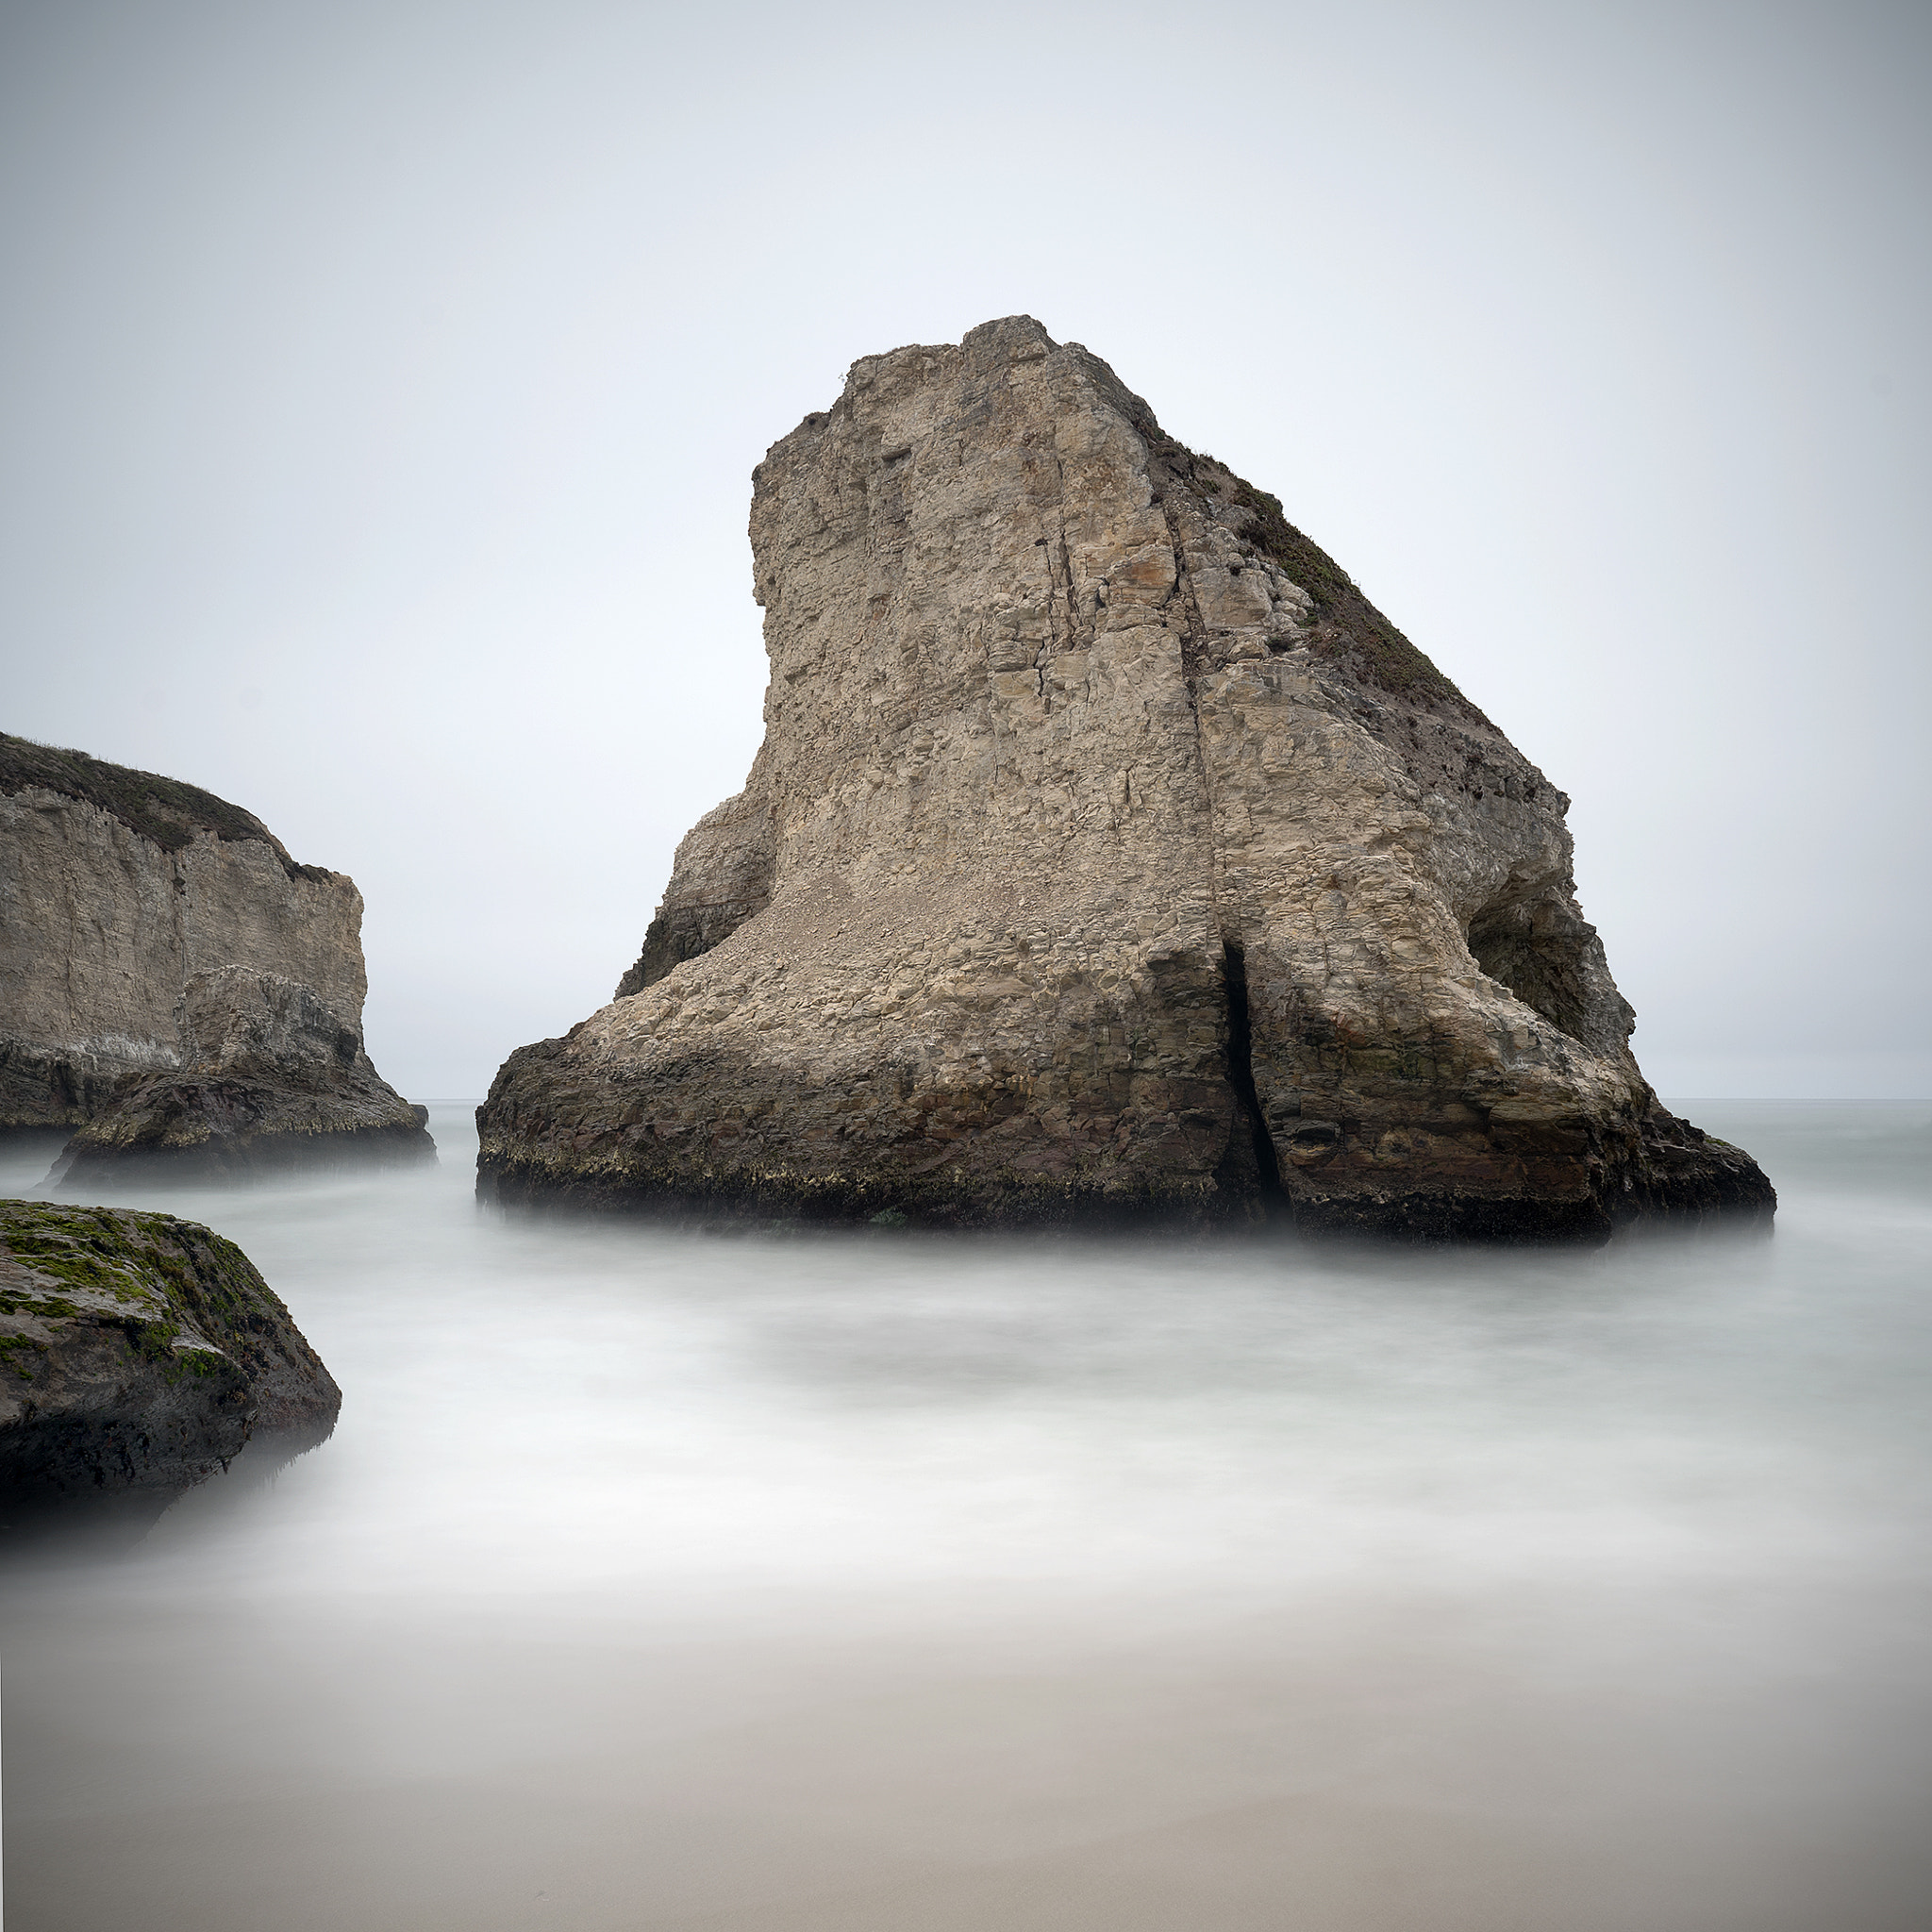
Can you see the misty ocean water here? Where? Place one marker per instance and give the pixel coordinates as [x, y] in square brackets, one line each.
[877, 1580]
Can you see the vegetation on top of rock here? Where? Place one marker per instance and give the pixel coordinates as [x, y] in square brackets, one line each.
[183, 1294]
[1386, 655]
[145, 1262]
[163, 809]
[138, 1354]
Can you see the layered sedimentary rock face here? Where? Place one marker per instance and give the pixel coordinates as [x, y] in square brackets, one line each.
[1108, 853]
[171, 980]
[137, 1354]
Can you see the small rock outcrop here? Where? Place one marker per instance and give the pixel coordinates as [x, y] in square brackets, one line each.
[173, 984]
[1109, 855]
[137, 1354]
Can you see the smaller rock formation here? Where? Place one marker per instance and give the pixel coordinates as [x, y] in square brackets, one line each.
[269, 1076]
[173, 984]
[137, 1354]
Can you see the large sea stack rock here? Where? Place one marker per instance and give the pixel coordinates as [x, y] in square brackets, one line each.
[1107, 854]
[137, 1354]
[171, 983]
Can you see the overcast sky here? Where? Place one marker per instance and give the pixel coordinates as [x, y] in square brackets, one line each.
[382, 385]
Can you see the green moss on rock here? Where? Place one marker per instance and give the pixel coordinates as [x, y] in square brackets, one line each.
[138, 1351]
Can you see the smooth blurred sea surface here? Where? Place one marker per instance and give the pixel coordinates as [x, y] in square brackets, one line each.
[879, 1582]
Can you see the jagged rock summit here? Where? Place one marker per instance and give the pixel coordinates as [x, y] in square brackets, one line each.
[1109, 855]
[173, 984]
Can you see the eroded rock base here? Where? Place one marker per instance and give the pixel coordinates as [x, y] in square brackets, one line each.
[1678, 1178]
[276, 1080]
[170, 1153]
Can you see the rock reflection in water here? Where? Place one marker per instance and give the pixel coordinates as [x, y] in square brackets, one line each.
[116, 1522]
[658, 1581]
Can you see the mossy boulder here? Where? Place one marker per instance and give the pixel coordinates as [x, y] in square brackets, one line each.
[137, 1354]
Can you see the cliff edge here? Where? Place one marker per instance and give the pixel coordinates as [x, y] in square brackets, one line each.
[171, 982]
[1107, 856]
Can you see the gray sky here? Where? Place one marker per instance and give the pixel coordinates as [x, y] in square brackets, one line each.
[382, 385]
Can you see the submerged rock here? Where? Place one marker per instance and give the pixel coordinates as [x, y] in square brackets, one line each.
[1107, 854]
[176, 985]
[137, 1354]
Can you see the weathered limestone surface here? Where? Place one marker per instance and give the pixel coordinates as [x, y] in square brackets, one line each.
[1108, 854]
[138, 1353]
[171, 980]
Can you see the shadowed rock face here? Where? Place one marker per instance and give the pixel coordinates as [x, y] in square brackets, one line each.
[1107, 856]
[137, 1354]
[171, 982]
[269, 1078]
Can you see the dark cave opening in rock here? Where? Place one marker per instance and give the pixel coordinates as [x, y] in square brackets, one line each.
[1537, 947]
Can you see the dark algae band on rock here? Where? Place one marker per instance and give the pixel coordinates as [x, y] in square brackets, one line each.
[1108, 857]
[173, 984]
[137, 1354]
[270, 1077]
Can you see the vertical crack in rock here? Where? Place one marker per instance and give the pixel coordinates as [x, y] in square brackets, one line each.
[1241, 1075]
[1099, 808]
[1078, 637]
[1183, 595]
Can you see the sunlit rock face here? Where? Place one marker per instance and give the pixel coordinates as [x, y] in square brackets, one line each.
[1107, 856]
[171, 983]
